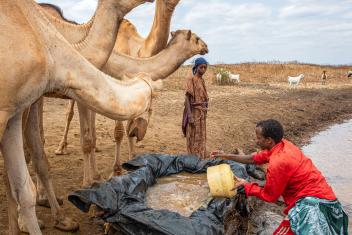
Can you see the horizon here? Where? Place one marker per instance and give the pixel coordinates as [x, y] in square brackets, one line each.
[308, 31]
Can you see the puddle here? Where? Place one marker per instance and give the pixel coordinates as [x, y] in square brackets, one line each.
[183, 193]
[331, 152]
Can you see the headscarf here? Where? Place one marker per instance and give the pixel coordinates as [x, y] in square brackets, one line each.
[198, 62]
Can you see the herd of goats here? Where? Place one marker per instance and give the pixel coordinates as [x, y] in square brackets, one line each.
[235, 78]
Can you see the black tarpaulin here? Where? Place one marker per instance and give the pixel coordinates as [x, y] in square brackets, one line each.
[123, 198]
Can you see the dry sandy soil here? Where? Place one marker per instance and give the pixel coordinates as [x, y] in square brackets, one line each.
[233, 111]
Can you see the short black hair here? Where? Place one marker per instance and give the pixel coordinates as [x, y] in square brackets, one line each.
[271, 128]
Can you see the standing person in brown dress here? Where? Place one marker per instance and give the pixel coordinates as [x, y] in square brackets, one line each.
[195, 111]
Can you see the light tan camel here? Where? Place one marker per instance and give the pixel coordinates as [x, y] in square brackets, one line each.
[46, 62]
[105, 22]
[183, 45]
[129, 42]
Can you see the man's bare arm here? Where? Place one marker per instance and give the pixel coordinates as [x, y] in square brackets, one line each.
[241, 158]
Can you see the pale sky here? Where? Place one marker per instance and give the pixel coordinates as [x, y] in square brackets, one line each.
[312, 31]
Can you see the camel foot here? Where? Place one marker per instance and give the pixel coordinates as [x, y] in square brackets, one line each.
[60, 151]
[89, 184]
[95, 212]
[114, 173]
[97, 177]
[24, 229]
[66, 224]
[45, 202]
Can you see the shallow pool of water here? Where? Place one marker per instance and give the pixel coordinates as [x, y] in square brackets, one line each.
[331, 152]
[183, 193]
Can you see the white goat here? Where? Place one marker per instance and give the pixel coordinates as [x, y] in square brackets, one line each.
[234, 77]
[218, 78]
[295, 80]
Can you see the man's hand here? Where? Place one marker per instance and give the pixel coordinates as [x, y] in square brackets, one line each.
[239, 182]
[216, 153]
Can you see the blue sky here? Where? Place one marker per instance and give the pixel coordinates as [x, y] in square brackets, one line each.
[312, 31]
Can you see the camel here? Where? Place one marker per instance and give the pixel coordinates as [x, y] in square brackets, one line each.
[129, 42]
[46, 62]
[183, 45]
[106, 22]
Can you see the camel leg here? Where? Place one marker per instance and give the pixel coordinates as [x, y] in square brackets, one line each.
[12, 208]
[94, 134]
[131, 143]
[4, 117]
[118, 135]
[61, 150]
[89, 168]
[12, 205]
[131, 147]
[22, 189]
[40, 116]
[93, 165]
[41, 167]
[24, 124]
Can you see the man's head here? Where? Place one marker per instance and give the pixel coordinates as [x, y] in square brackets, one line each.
[269, 133]
[200, 66]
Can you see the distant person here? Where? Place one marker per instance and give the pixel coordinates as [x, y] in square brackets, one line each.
[349, 74]
[195, 111]
[324, 78]
[312, 206]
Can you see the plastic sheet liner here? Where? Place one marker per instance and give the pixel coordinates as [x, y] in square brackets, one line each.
[123, 198]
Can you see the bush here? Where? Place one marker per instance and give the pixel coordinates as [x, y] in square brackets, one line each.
[225, 79]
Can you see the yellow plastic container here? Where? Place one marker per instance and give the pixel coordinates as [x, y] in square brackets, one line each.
[221, 181]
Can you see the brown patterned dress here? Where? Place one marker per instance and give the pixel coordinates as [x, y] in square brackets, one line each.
[196, 134]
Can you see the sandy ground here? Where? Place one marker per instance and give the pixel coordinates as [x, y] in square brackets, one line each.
[233, 112]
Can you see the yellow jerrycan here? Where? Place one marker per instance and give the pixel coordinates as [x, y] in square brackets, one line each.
[221, 181]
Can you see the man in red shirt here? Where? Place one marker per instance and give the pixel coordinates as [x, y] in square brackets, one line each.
[312, 206]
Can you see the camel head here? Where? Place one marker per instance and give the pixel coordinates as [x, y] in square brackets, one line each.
[189, 41]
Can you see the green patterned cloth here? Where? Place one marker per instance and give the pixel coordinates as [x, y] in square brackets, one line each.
[312, 216]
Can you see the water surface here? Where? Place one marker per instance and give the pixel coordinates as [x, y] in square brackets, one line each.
[331, 152]
[183, 193]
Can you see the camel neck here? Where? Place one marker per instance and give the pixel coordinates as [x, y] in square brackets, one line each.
[159, 34]
[158, 67]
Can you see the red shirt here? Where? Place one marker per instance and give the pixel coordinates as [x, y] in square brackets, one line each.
[290, 174]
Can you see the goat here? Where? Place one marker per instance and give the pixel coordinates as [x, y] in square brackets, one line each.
[234, 77]
[218, 78]
[295, 80]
